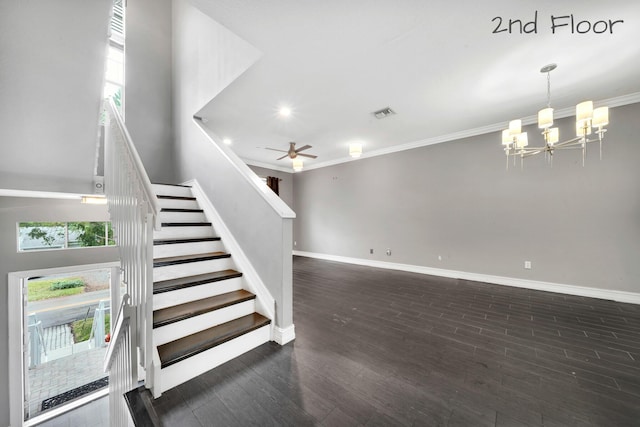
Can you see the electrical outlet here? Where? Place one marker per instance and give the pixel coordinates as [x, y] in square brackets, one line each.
[295, 243]
[439, 257]
[370, 251]
[388, 252]
[527, 265]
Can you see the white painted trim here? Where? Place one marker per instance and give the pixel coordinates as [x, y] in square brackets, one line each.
[618, 101]
[276, 203]
[16, 368]
[265, 303]
[55, 412]
[284, 335]
[198, 364]
[267, 165]
[620, 296]
[41, 194]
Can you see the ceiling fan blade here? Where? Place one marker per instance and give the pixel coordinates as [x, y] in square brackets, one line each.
[306, 147]
[275, 149]
[311, 156]
[285, 156]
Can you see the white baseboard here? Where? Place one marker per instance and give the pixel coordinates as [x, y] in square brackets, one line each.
[284, 335]
[620, 296]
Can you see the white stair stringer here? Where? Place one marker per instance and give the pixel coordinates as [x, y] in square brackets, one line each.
[174, 331]
[184, 281]
[183, 371]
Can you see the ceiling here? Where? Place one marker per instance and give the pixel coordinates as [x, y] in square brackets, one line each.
[438, 64]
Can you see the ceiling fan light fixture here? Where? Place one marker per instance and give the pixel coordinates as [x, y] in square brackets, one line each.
[298, 164]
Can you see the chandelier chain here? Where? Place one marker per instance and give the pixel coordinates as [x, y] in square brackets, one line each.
[548, 88]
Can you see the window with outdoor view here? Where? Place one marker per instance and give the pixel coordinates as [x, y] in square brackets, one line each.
[63, 235]
[114, 74]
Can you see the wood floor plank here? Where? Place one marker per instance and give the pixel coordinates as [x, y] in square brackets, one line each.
[382, 347]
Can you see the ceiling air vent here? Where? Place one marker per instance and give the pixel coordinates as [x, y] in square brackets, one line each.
[381, 114]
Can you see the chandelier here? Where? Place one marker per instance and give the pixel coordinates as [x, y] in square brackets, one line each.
[516, 143]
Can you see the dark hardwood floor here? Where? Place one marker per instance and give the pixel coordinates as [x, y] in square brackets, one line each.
[386, 348]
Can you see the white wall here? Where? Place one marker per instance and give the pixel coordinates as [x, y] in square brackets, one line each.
[577, 225]
[148, 100]
[14, 210]
[52, 57]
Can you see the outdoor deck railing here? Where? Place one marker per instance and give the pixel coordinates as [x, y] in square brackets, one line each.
[133, 208]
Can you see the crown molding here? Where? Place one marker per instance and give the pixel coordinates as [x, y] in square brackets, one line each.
[267, 165]
[618, 101]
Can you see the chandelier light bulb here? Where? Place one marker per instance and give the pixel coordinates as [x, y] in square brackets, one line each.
[523, 140]
[584, 111]
[507, 139]
[545, 118]
[601, 116]
[515, 127]
[553, 136]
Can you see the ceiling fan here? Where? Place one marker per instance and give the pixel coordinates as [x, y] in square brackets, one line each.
[292, 153]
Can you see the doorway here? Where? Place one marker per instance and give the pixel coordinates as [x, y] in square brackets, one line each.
[59, 328]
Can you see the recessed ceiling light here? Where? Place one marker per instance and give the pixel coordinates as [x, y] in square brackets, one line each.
[284, 111]
[227, 141]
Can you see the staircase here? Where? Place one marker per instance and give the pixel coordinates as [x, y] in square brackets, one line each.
[203, 314]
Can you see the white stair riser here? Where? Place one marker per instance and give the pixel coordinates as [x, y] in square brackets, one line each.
[191, 269]
[178, 204]
[195, 324]
[183, 232]
[181, 372]
[172, 190]
[193, 293]
[182, 217]
[177, 249]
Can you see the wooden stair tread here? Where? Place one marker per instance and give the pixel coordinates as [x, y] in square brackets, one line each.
[189, 240]
[181, 210]
[172, 185]
[184, 259]
[184, 311]
[186, 224]
[163, 196]
[183, 348]
[199, 279]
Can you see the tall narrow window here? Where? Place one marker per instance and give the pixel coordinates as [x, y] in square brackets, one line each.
[114, 75]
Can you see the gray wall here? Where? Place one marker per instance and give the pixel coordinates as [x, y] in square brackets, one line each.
[286, 182]
[148, 102]
[206, 58]
[50, 92]
[577, 225]
[14, 210]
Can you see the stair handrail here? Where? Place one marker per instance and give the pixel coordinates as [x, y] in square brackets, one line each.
[122, 353]
[140, 171]
[133, 209]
